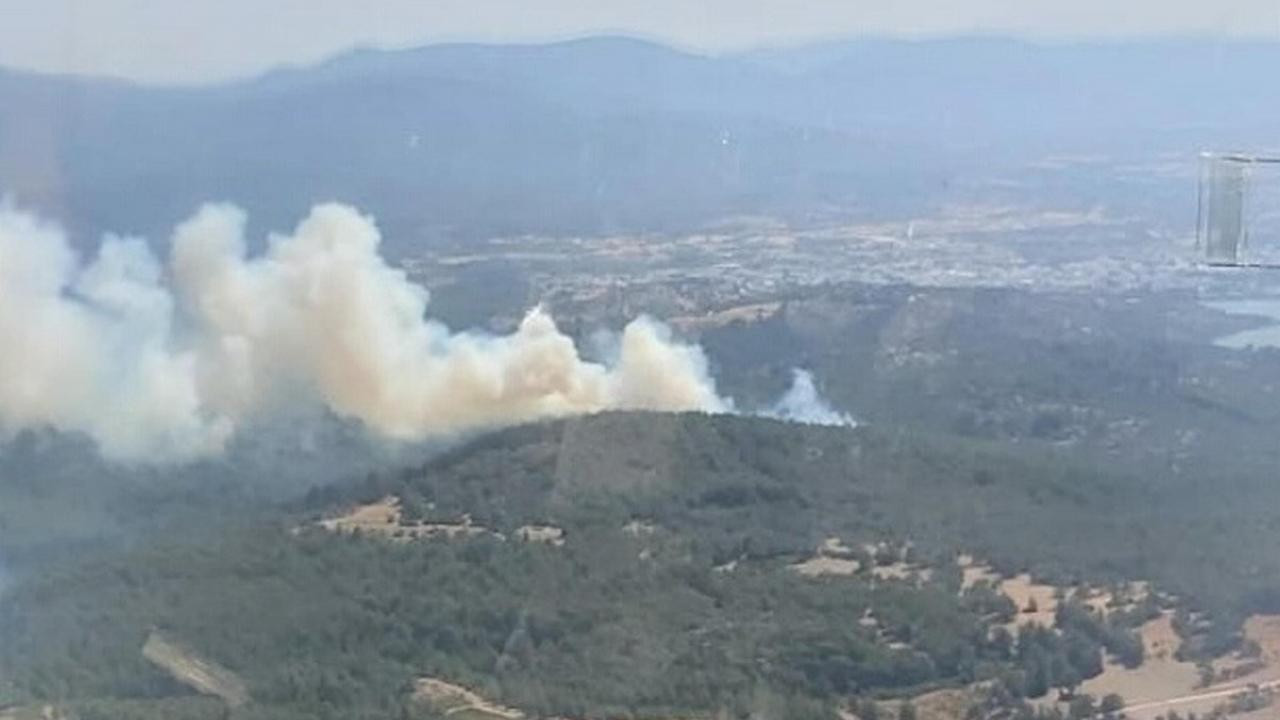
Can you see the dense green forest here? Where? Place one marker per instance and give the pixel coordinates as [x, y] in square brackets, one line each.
[1121, 378]
[673, 592]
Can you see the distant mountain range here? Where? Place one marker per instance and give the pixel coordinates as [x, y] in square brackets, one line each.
[451, 142]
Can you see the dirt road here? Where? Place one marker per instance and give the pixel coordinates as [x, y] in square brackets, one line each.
[1223, 693]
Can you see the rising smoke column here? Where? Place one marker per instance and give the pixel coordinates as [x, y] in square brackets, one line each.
[802, 403]
[166, 365]
[88, 348]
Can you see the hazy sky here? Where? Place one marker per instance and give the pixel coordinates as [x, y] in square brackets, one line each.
[200, 40]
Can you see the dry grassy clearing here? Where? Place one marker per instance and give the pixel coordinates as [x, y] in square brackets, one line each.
[833, 557]
[901, 571]
[745, 313]
[384, 518]
[1163, 683]
[823, 565]
[455, 700]
[974, 572]
[948, 704]
[1035, 602]
[639, 528]
[1202, 702]
[1160, 676]
[202, 675]
[549, 534]
[1265, 630]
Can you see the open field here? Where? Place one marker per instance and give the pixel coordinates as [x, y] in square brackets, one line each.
[457, 701]
[384, 518]
[1163, 683]
[200, 674]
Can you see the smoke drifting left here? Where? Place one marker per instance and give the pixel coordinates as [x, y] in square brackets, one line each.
[164, 364]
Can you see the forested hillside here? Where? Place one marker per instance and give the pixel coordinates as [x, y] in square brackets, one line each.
[650, 566]
[59, 497]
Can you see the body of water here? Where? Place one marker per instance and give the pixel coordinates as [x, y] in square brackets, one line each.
[1260, 337]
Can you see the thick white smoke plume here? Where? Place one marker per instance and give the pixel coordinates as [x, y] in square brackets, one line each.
[802, 404]
[163, 363]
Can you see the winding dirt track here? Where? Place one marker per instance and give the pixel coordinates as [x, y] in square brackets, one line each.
[1215, 694]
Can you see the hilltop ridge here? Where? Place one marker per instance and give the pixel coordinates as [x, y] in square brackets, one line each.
[653, 565]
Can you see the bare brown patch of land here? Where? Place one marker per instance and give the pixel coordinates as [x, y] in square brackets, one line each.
[1258, 661]
[835, 547]
[1202, 702]
[975, 572]
[639, 528]
[833, 557]
[899, 571]
[1265, 630]
[949, 704]
[822, 565]
[374, 516]
[200, 674]
[746, 313]
[1160, 677]
[455, 700]
[1163, 683]
[385, 518]
[944, 704]
[1036, 602]
[892, 563]
[548, 534]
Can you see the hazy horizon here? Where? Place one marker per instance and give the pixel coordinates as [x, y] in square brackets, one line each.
[164, 44]
[816, 43]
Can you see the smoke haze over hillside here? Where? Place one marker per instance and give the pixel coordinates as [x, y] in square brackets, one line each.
[157, 363]
[803, 404]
